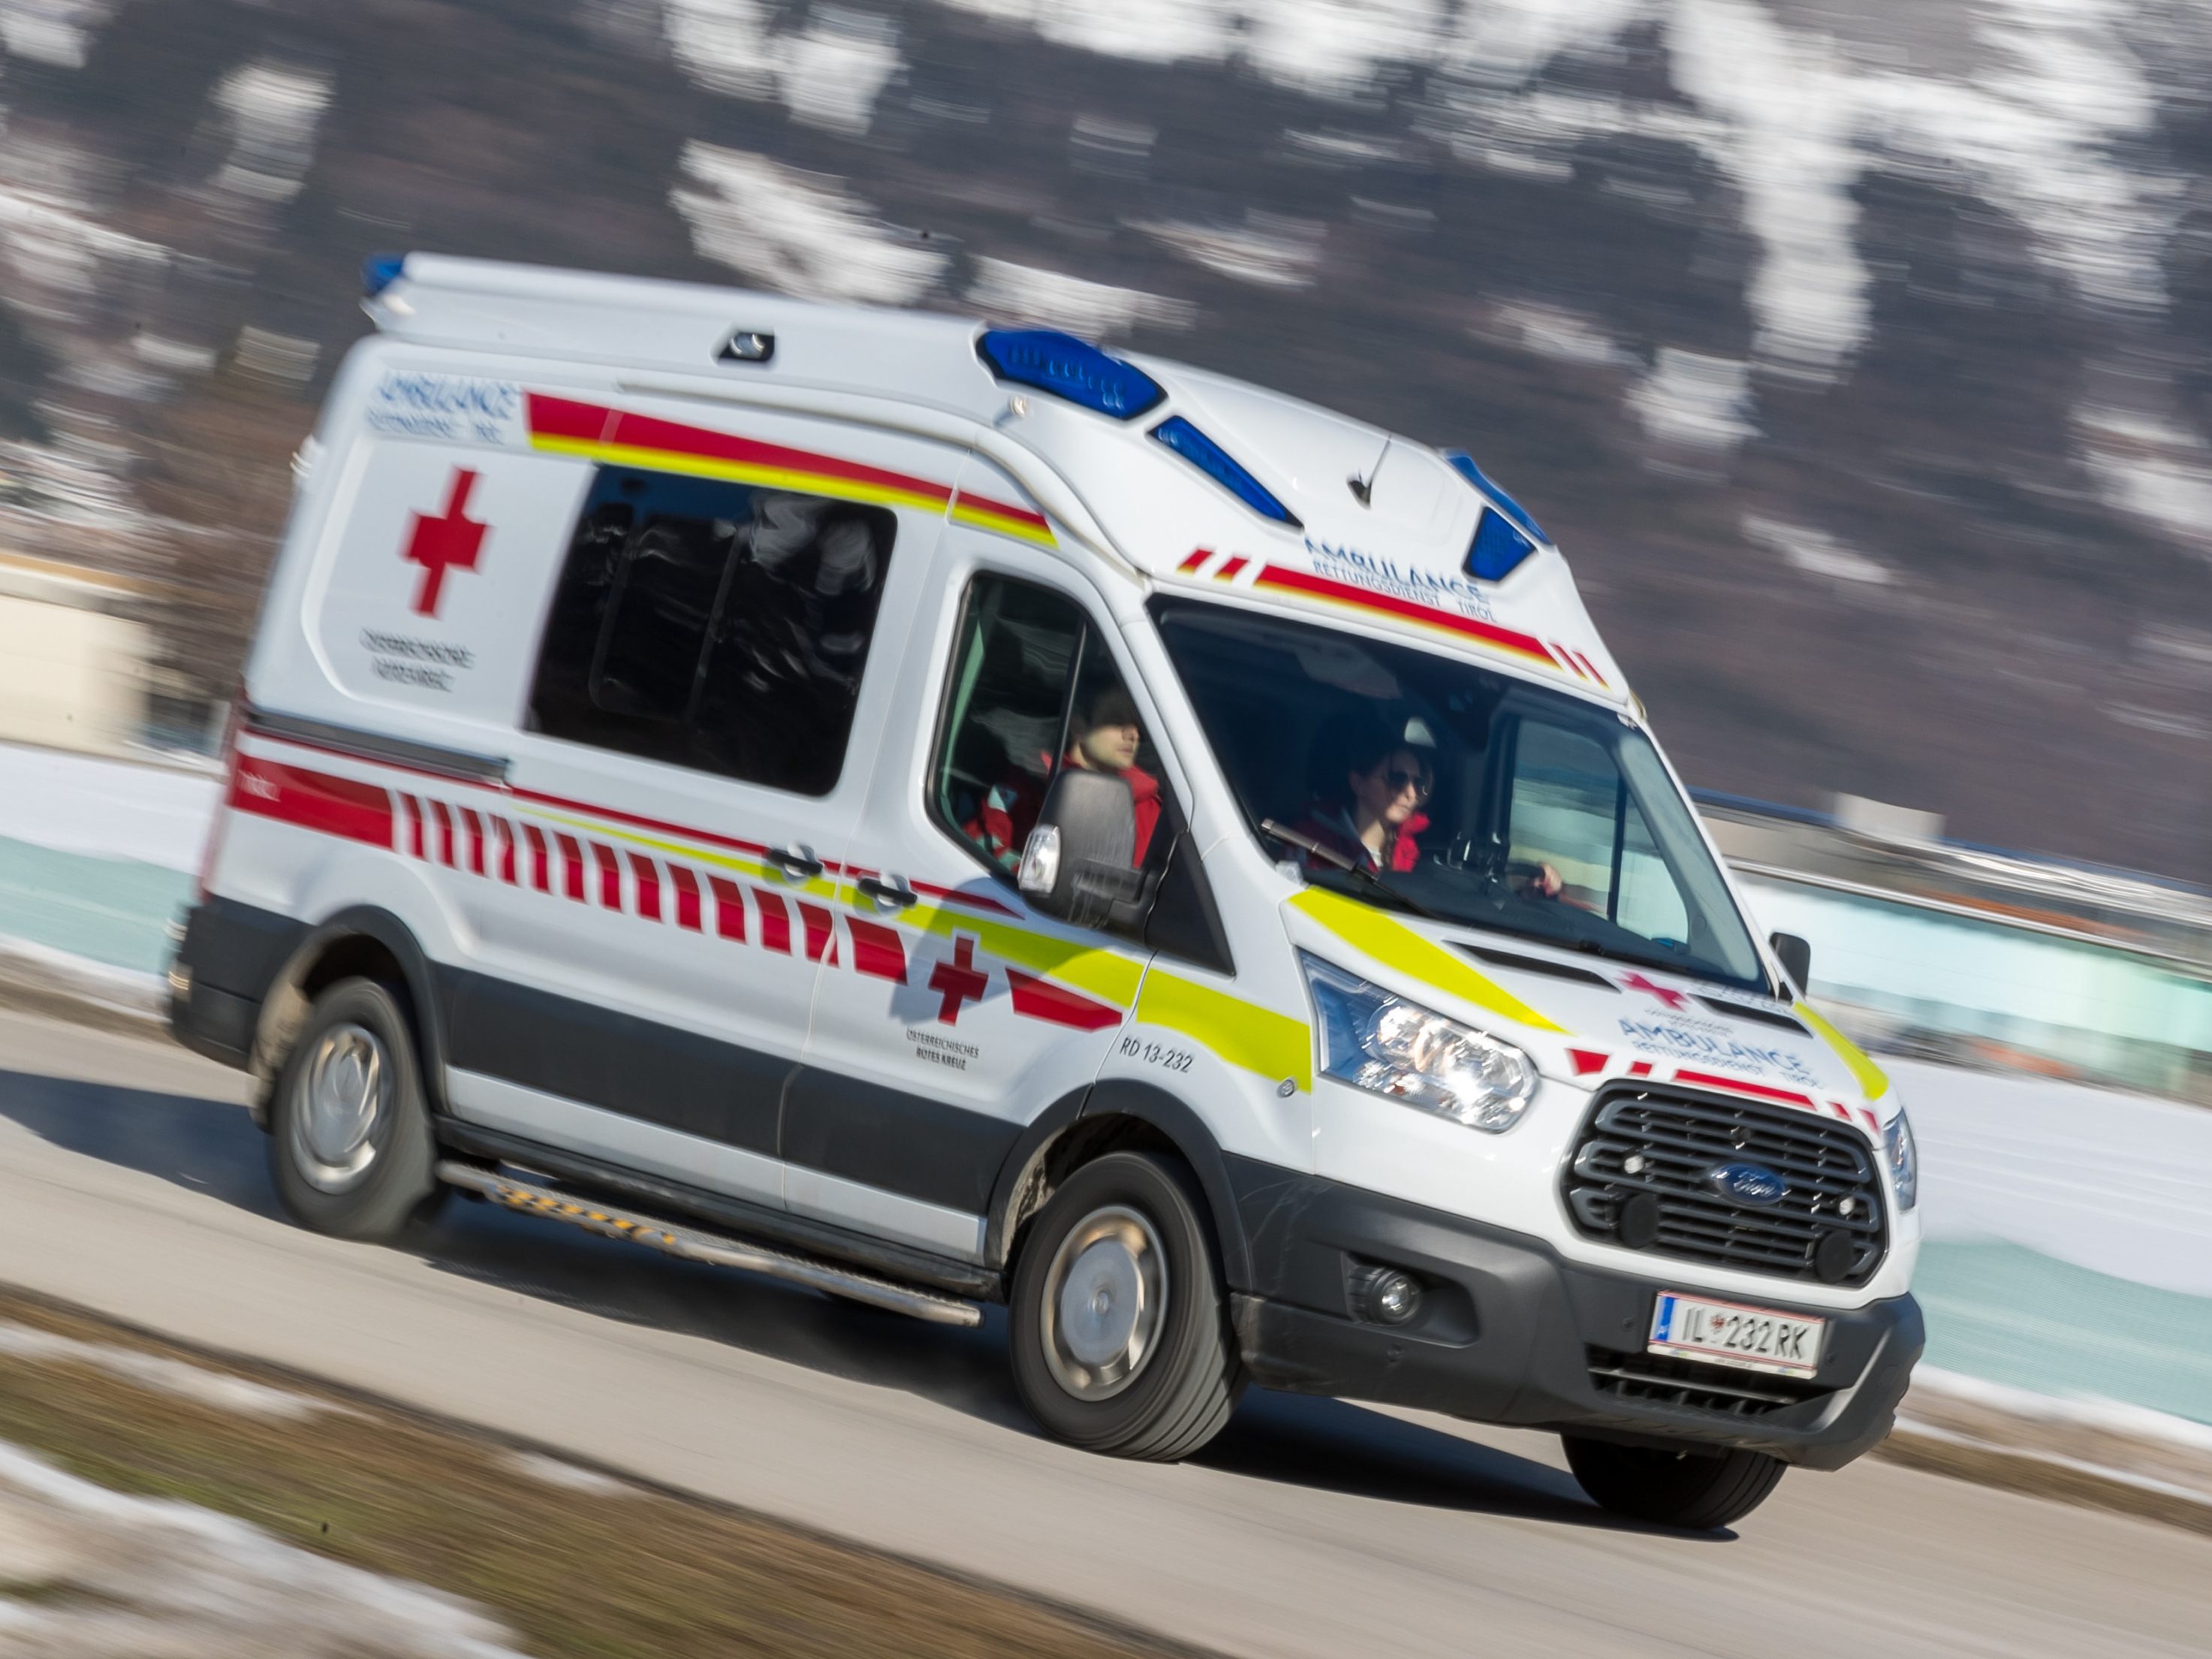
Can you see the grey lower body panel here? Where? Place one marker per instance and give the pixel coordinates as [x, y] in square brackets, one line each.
[1510, 1332]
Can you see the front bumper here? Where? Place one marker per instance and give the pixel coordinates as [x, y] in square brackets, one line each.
[1509, 1332]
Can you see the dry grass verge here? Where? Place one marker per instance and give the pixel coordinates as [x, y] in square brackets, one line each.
[574, 1563]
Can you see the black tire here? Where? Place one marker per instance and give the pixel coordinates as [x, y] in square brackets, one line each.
[1694, 1491]
[332, 1176]
[1177, 1391]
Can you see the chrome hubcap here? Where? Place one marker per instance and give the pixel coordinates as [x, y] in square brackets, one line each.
[343, 1096]
[1104, 1296]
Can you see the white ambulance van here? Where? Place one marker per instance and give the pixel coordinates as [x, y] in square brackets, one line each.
[948, 814]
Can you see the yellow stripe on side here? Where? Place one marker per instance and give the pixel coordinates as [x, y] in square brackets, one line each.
[965, 512]
[1243, 1033]
[1398, 946]
[733, 861]
[835, 487]
[1873, 1081]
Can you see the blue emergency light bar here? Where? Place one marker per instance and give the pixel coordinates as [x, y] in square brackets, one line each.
[380, 271]
[1463, 464]
[1070, 368]
[1211, 459]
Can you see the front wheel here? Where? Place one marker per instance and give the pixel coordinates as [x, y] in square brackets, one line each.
[349, 1142]
[1121, 1342]
[1697, 1492]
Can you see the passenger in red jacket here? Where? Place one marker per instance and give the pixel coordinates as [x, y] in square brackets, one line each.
[1104, 737]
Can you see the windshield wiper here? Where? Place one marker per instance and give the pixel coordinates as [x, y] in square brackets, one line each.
[1350, 867]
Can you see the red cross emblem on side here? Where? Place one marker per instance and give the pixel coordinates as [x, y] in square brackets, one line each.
[449, 541]
[957, 981]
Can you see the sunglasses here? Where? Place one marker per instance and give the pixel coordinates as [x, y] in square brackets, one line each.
[1420, 783]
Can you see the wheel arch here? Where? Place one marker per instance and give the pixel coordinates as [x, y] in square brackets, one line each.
[1116, 1114]
[364, 941]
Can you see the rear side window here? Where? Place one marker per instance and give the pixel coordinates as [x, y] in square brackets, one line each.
[713, 625]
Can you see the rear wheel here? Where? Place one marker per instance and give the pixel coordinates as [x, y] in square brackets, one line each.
[1695, 1490]
[350, 1144]
[1120, 1336]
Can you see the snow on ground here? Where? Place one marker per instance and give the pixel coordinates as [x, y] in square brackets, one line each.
[107, 808]
[54, 32]
[2118, 1183]
[798, 232]
[829, 74]
[124, 1577]
[1006, 292]
[150, 1371]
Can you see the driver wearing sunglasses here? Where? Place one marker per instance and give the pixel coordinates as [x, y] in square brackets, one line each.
[1379, 814]
[1377, 819]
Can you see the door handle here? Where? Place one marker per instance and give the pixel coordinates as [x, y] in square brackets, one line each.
[888, 892]
[796, 862]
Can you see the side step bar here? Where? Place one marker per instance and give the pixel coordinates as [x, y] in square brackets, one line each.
[710, 1247]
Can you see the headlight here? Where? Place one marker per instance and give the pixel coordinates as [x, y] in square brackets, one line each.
[1388, 1046]
[1904, 1160]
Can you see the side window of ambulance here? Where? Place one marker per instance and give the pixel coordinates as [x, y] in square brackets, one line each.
[713, 625]
[1032, 689]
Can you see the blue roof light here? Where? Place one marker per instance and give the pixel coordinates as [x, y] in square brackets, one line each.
[1209, 458]
[1463, 464]
[1498, 547]
[380, 271]
[1068, 367]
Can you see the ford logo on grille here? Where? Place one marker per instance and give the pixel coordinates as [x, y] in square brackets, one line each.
[1748, 1183]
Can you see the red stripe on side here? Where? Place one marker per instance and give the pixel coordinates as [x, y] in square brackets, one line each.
[821, 931]
[1758, 1091]
[1641, 1068]
[410, 831]
[572, 864]
[444, 834]
[610, 876]
[474, 825]
[1229, 566]
[562, 417]
[1872, 1122]
[729, 908]
[878, 950]
[1301, 582]
[1593, 674]
[1040, 999]
[774, 920]
[687, 898]
[313, 801]
[1003, 509]
[1565, 658]
[505, 832]
[541, 874]
[969, 900]
[648, 886]
[1197, 557]
[1586, 1061]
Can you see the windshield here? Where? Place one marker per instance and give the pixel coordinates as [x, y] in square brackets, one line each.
[1420, 782]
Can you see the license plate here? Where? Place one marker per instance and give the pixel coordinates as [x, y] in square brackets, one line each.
[1729, 1333]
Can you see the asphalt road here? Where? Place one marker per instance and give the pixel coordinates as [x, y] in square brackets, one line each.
[132, 1182]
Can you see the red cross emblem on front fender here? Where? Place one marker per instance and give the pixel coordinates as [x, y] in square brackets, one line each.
[449, 541]
[958, 981]
[1672, 998]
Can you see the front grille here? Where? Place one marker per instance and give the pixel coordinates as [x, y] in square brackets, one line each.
[1644, 1379]
[1641, 1175]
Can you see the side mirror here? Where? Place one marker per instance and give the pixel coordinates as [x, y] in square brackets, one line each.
[1079, 863]
[1795, 957]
